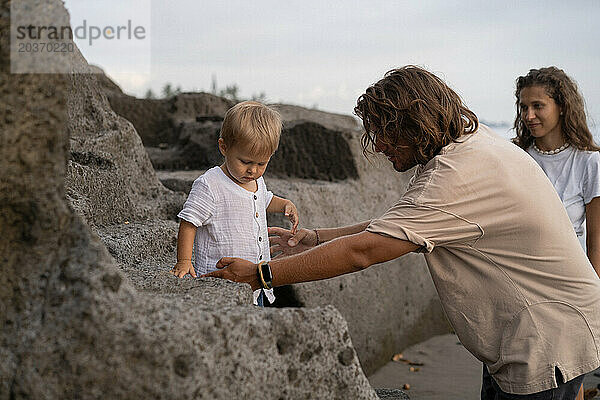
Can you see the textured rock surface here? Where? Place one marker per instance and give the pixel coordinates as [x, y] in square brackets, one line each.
[146, 251]
[195, 147]
[73, 326]
[334, 122]
[160, 120]
[181, 133]
[309, 150]
[109, 176]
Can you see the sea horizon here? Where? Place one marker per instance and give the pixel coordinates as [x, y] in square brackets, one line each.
[506, 131]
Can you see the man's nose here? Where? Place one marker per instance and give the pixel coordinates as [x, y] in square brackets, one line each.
[252, 169]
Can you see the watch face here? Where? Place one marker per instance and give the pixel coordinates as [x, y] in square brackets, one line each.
[266, 270]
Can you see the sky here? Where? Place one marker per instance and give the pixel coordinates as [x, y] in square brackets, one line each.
[324, 54]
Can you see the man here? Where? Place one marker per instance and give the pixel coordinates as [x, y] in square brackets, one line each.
[513, 280]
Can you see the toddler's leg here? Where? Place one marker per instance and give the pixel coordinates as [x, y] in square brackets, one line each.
[261, 298]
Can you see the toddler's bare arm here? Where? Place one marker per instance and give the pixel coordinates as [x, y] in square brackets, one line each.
[185, 242]
[281, 205]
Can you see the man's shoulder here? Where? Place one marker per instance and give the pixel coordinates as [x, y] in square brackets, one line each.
[479, 140]
[482, 148]
[481, 163]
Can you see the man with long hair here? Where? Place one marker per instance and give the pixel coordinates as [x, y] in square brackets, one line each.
[502, 255]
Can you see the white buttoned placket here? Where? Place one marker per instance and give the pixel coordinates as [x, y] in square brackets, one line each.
[258, 227]
[259, 244]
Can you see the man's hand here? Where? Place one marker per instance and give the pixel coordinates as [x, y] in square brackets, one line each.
[287, 244]
[237, 270]
[291, 212]
[182, 268]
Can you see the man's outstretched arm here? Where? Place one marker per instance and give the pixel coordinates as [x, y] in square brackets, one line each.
[340, 256]
[286, 243]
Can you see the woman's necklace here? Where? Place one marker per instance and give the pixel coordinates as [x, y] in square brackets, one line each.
[550, 152]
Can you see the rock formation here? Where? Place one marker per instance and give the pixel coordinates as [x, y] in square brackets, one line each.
[73, 325]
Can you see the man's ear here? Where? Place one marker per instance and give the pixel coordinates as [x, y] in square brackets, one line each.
[222, 146]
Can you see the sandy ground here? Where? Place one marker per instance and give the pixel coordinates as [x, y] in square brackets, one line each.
[448, 372]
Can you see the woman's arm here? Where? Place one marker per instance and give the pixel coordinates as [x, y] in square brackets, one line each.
[592, 216]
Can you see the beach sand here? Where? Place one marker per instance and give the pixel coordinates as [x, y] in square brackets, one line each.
[448, 371]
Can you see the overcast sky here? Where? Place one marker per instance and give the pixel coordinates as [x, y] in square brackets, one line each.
[325, 53]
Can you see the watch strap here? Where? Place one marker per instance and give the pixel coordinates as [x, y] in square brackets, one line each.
[265, 277]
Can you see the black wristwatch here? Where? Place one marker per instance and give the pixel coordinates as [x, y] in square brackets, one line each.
[265, 277]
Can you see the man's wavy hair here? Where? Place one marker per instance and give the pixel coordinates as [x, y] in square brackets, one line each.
[411, 106]
[563, 90]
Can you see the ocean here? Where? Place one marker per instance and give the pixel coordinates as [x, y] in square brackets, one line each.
[507, 132]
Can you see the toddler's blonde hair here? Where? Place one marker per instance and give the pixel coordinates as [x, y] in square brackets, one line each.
[253, 125]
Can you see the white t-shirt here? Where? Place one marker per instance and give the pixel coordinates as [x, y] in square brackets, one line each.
[575, 174]
[231, 221]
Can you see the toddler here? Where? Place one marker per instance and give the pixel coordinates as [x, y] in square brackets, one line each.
[225, 212]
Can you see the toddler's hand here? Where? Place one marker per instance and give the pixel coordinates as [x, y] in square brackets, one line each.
[291, 212]
[182, 268]
[284, 243]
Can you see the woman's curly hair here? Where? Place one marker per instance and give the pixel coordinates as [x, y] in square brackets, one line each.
[563, 90]
[415, 107]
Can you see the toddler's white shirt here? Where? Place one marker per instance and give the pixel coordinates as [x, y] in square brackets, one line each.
[231, 221]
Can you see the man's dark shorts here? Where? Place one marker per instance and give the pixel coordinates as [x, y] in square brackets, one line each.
[565, 391]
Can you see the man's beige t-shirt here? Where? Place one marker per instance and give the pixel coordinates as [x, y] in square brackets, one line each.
[513, 279]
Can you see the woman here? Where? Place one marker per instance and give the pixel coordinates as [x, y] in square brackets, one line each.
[551, 126]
